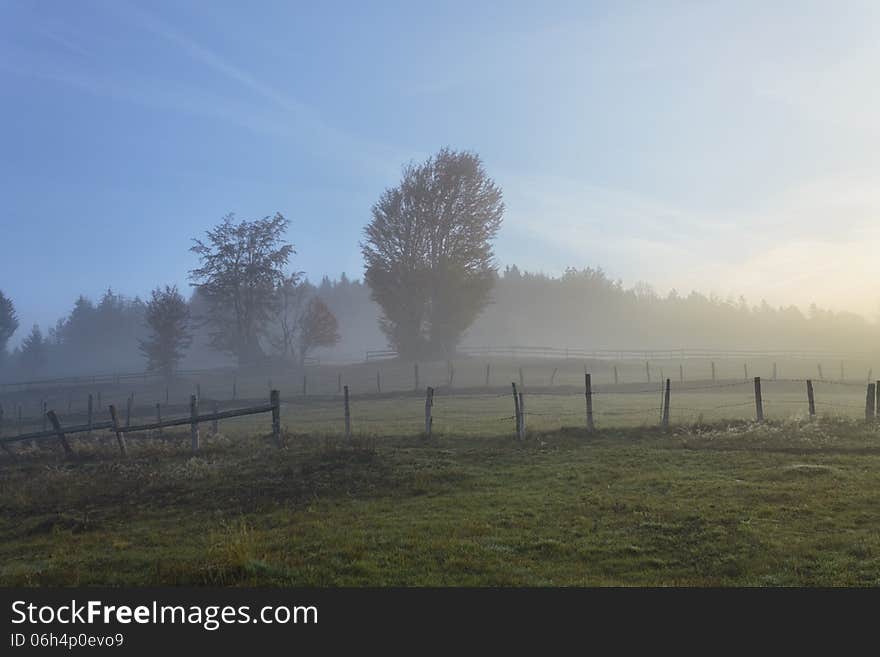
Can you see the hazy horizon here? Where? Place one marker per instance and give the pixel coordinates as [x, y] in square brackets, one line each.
[725, 149]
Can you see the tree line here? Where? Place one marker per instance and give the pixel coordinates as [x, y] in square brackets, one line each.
[430, 281]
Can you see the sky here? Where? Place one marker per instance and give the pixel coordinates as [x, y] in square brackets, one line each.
[727, 147]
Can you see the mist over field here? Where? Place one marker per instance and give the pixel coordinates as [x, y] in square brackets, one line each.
[393, 294]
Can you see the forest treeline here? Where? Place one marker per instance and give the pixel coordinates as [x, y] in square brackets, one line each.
[582, 308]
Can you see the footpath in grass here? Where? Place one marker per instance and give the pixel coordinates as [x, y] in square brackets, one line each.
[776, 504]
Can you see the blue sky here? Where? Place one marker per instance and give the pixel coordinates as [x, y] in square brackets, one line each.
[726, 146]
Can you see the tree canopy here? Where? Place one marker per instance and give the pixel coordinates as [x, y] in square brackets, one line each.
[428, 252]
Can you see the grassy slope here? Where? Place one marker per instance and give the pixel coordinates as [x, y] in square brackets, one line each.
[793, 503]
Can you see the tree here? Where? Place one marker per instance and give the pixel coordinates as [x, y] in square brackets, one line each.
[317, 328]
[242, 264]
[428, 254]
[8, 323]
[34, 355]
[291, 297]
[167, 318]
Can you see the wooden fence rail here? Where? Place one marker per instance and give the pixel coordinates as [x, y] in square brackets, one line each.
[274, 407]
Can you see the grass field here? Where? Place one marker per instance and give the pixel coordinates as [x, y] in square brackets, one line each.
[788, 502]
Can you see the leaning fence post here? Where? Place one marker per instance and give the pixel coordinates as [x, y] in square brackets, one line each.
[515, 407]
[666, 406]
[90, 416]
[588, 394]
[811, 400]
[347, 413]
[522, 417]
[194, 422]
[57, 426]
[759, 402]
[869, 402]
[429, 403]
[120, 434]
[877, 405]
[275, 400]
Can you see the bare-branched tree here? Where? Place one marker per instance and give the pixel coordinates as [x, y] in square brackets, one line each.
[242, 265]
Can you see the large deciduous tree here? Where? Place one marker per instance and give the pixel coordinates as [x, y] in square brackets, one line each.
[167, 318]
[242, 264]
[428, 253]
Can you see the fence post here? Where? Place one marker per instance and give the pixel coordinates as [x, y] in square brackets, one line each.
[347, 413]
[522, 417]
[811, 400]
[666, 406]
[487, 374]
[159, 417]
[378, 381]
[194, 422]
[877, 405]
[5, 447]
[870, 374]
[616, 377]
[415, 376]
[451, 372]
[90, 416]
[553, 376]
[120, 435]
[516, 408]
[869, 402]
[745, 371]
[275, 400]
[215, 423]
[588, 395]
[57, 426]
[759, 402]
[819, 367]
[713, 371]
[774, 371]
[429, 403]
[648, 371]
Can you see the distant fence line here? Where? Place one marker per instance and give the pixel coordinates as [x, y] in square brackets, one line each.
[116, 378]
[525, 351]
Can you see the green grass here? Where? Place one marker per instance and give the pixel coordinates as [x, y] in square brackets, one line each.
[785, 503]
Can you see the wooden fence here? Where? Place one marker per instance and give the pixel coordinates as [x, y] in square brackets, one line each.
[193, 420]
[522, 351]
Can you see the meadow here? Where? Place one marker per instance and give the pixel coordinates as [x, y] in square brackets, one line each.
[710, 501]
